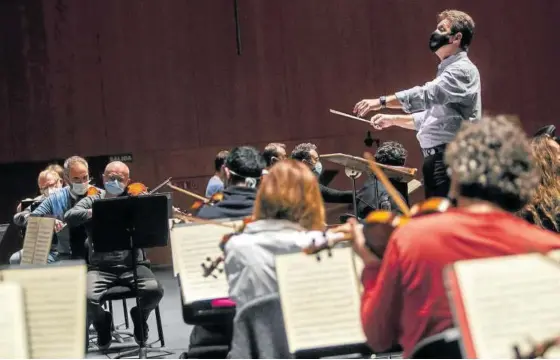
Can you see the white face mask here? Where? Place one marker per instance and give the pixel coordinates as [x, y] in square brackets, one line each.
[49, 191]
[79, 188]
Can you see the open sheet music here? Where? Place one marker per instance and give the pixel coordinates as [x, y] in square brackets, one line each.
[505, 301]
[13, 330]
[55, 308]
[37, 241]
[320, 299]
[192, 245]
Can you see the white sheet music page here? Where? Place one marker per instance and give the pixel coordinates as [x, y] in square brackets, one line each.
[13, 330]
[320, 299]
[37, 241]
[55, 307]
[192, 246]
[509, 300]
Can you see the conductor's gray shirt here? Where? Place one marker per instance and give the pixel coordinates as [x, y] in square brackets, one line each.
[440, 106]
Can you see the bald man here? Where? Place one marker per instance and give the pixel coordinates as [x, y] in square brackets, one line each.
[107, 270]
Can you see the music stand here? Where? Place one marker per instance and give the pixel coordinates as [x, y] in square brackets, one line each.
[131, 223]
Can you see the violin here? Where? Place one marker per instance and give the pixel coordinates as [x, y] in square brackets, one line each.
[379, 224]
[137, 188]
[92, 190]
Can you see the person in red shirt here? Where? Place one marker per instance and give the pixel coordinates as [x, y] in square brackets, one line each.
[492, 176]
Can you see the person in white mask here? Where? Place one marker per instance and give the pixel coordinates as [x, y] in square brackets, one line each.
[107, 269]
[76, 175]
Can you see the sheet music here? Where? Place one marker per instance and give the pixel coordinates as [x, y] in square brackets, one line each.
[13, 332]
[37, 241]
[320, 299]
[509, 300]
[413, 185]
[55, 308]
[191, 246]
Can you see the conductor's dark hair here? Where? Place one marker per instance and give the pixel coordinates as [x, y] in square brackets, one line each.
[301, 152]
[391, 153]
[270, 151]
[245, 161]
[220, 159]
[461, 22]
[491, 160]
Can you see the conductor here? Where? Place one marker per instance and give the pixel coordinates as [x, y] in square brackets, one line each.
[436, 109]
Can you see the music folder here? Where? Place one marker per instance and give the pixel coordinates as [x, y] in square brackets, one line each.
[37, 241]
[501, 302]
[53, 302]
[400, 173]
[193, 245]
[320, 299]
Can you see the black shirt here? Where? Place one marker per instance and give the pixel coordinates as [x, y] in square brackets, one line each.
[237, 203]
[374, 196]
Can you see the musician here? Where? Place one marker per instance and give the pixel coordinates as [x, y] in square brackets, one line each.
[307, 153]
[58, 169]
[109, 269]
[243, 169]
[373, 195]
[492, 175]
[216, 182]
[544, 208]
[440, 106]
[77, 176]
[288, 205]
[273, 153]
[48, 182]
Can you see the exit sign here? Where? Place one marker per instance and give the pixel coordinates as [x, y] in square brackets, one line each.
[125, 158]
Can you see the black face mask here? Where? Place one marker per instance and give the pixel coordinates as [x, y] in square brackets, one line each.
[437, 40]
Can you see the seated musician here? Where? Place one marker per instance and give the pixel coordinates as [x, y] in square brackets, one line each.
[307, 153]
[48, 182]
[243, 168]
[109, 269]
[288, 205]
[373, 195]
[59, 170]
[273, 153]
[77, 176]
[492, 175]
[544, 208]
[216, 182]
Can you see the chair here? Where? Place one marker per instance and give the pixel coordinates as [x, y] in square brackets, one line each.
[444, 345]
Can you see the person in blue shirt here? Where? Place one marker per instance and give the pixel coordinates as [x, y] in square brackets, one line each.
[216, 182]
[76, 175]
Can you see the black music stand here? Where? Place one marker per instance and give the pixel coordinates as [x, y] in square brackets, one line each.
[130, 223]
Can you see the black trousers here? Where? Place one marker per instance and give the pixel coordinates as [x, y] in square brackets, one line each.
[99, 282]
[436, 180]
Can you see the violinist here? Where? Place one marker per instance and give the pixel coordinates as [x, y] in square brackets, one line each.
[307, 153]
[273, 153]
[373, 195]
[492, 176]
[216, 182]
[243, 169]
[77, 177]
[58, 169]
[48, 182]
[106, 270]
[544, 208]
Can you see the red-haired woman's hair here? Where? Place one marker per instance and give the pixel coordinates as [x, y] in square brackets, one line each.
[291, 192]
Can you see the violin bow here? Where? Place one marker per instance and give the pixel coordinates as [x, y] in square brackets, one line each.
[388, 185]
[188, 193]
[198, 220]
[159, 186]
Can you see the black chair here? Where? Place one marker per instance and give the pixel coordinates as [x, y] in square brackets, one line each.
[444, 345]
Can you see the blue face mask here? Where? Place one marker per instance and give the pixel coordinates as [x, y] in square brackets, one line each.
[114, 187]
[318, 168]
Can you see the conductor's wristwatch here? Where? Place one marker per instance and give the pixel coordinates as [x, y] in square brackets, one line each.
[383, 102]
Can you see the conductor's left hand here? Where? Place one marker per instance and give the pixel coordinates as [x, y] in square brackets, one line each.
[365, 106]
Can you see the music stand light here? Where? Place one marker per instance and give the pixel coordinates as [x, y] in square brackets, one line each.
[131, 223]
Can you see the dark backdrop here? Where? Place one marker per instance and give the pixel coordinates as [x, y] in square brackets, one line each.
[162, 79]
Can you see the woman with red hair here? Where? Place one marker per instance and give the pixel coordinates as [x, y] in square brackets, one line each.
[289, 213]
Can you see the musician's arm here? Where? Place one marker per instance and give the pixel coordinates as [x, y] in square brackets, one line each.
[81, 212]
[382, 300]
[335, 196]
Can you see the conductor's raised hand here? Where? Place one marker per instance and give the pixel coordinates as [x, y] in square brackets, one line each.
[366, 105]
[382, 121]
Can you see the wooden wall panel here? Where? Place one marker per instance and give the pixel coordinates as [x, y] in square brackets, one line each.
[162, 79]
